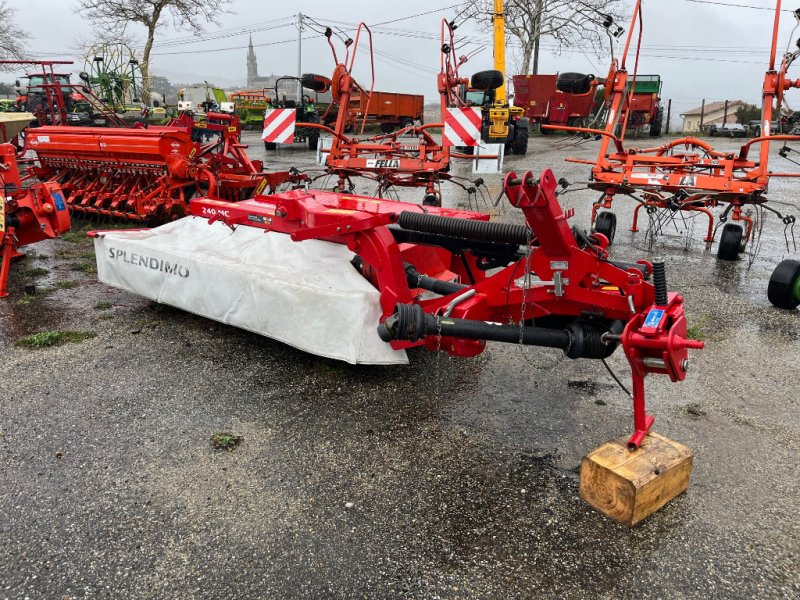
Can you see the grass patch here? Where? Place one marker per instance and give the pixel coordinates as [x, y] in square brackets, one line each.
[46, 339]
[102, 306]
[76, 236]
[66, 285]
[697, 331]
[225, 441]
[44, 292]
[32, 272]
[84, 267]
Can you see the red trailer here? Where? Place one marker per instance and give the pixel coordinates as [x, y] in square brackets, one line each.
[565, 99]
[391, 110]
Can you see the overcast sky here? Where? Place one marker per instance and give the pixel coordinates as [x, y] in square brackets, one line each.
[700, 50]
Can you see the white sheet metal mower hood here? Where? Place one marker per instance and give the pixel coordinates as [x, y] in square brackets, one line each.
[305, 294]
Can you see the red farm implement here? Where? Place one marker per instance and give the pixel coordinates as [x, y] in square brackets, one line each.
[140, 173]
[27, 215]
[418, 161]
[445, 279]
[565, 99]
[687, 175]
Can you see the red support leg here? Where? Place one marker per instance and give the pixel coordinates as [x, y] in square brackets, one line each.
[7, 249]
[642, 422]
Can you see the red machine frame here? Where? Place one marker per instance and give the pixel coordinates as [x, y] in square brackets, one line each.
[696, 180]
[551, 285]
[27, 215]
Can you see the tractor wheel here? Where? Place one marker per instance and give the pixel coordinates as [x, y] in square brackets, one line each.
[519, 145]
[730, 242]
[312, 136]
[487, 80]
[783, 290]
[270, 146]
[606, 223]
[658, 123]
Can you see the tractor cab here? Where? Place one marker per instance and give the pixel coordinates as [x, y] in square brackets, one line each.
[306, 111]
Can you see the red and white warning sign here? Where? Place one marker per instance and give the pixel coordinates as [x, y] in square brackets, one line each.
[462, 127]
[279, 125]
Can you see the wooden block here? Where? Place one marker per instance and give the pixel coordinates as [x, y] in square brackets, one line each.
[630, 486]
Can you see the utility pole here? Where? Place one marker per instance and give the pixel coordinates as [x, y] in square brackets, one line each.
[299, 56]
[725, 116]
[702, 114]
[537, 31]
[669, 114]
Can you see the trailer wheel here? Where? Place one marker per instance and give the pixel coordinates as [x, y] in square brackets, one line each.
[545, 131]
[783, 290]
[519, 145]
[730, 242]
[606, 223]
[270, 146]
[387, 127]
[487, 80]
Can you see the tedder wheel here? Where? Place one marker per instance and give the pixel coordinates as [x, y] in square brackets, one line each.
[730, 242]
[270, 146]
[431, 200]
[783, 290]
[519, 144]
[487, 80]
[606, 223]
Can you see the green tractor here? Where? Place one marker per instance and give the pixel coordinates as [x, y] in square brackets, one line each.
[306, 110]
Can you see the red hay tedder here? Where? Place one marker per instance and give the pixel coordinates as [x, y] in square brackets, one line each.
[687, 174]
[420, 161]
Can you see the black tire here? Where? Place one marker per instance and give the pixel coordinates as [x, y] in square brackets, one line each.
[730, 242]
[657, 123]
[783, 290]
[757, 131]
[406, 123]
[270, 146]
[487, 80]
[606, 223]
[574, 83]
[431, 200]
[318, 83]
[544, 131]
[519, 145]
[387, 127]
[312, 137]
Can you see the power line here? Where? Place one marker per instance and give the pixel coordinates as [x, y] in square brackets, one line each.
[735, 5]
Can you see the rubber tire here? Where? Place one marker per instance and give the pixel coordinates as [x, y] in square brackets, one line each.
[487, 80]
[757, 132]
[519, 145]
[318, 83]
[783, 290]
[313, 135]
[606, 223]
[387, 127]
[730, 242]
[431, 200]
[658, 122]
[545, 131]
[574, 83]
[270, 146]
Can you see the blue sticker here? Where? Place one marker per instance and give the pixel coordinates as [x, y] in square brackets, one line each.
[58, 198]
[654, 318]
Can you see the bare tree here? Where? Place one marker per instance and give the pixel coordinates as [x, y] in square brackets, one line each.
[568, 23]
[116, 15]
[12, 38]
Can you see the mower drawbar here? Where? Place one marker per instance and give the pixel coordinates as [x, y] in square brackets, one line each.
[580, 339]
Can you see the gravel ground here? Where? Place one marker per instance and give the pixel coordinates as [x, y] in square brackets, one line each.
[446, 478]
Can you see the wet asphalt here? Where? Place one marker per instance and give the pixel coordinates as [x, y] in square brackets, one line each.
[445, 478]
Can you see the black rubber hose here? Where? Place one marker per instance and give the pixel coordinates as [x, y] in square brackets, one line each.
[437, 286]
[484, 231]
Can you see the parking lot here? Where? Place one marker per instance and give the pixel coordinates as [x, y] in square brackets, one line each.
[445, 478]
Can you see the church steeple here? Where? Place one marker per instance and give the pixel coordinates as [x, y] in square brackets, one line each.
[252, 64]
